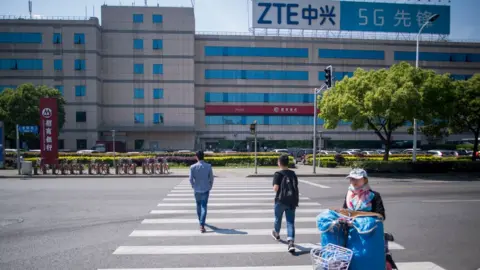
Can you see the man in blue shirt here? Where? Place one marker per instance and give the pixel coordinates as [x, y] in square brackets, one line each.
[201, 179]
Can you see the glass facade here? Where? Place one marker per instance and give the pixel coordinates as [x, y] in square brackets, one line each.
[256, 51]
[437, 56]
[21, 64]
[224, 97]
[224, 74]
[351, 54]
[263, 120]
[32, 38]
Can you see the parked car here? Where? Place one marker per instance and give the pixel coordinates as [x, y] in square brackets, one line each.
[349, 153]
[442, 153]
[327, 152]
[369, 153]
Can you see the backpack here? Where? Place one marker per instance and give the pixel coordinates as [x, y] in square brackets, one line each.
[288, 194]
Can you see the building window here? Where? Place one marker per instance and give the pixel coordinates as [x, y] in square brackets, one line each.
[59, 88]
[157, 44]
[81, 117]
[57, 38]
[158, 118]
[157, 18]
[81, 144]
[79, 38]
[351, 54]
[79, 64]
[139, 144]
[57, 64]
[21, 64]
[138, 44]
[139, 118]
[157, 93]
[61, 144]
[138, 18]
[228, 74]
[157, 69]
[21, 38]
[80, 90]
[138, 93]
[256, 52]
[138, 68]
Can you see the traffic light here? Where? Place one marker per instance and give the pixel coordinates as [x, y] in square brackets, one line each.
[253, 127]
[328, 76]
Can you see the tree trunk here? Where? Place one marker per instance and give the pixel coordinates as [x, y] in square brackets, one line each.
[475, 147]
[387, 150]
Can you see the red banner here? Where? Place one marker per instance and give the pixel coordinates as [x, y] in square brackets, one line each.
[258, 110]
[49, 130]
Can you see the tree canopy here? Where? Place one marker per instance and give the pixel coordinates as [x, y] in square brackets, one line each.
[21, 106]
[466, 109]
[384, 100]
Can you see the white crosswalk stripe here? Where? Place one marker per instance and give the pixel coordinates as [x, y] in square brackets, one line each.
[240, 220]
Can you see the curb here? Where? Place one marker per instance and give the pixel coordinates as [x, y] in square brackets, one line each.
[88, 176]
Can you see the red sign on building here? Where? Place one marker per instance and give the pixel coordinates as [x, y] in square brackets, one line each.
[258, 110]
[49, 130]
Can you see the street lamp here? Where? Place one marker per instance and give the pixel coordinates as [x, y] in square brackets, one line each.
[432, 18]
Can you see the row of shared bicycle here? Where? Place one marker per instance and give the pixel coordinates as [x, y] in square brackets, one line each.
[124, 166]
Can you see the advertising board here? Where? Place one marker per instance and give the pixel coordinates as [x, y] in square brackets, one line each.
[49, 130]
[349, 16]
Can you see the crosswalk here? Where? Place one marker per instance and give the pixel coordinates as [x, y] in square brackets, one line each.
[239, 223]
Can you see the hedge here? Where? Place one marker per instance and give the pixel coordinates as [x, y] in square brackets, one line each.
[185, 161]
[440, 166]
[146, 154]
[348, 160]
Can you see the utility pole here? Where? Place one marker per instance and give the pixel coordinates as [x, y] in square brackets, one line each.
[253, 130]
[18, 149]
[114, 154]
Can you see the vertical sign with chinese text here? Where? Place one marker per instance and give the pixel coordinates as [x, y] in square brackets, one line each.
[49, 130]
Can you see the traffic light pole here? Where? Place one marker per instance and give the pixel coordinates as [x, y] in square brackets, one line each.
[256, 164]
[315, 117]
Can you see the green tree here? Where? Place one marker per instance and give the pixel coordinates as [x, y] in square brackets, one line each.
[466, 114]
[384, 100]
[21, 106]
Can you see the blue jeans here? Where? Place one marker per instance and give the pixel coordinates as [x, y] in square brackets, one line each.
[202, 201]
[289, 215]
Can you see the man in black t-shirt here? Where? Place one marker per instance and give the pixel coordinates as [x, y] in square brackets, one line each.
[285, 185]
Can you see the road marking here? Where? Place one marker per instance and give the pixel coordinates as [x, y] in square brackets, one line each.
[448, 201]
[231, 211]
[403, 266]
[222, 220]
[227, 194]
[312, 184]
[219, 232]
[214, 191]
[231, 204]
[229, 199]
[229, 187]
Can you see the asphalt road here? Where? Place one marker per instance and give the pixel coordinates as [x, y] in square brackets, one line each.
[87, 223]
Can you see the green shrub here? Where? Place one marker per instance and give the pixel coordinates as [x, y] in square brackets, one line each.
[425, 166]
[146, 154]
[466, 146]
[329, 164]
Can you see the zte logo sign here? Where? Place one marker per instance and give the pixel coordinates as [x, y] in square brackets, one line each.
[293, 14]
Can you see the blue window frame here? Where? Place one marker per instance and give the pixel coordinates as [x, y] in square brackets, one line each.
[339, 75]
[80, 90]
[21, 64]
[157, 69]
[138, 44]
[157, 18]
[221, 97]
[138, 68]
[138, 93]
[157, 93]
[256, 74]
[139, 118]
[157, 44]
[59, 88]
[138, 18]
[256, 51]
[79, 38]
[80, 64]
[57, 38]
[158, 118]
[58, 64]
[351, 54]
[32, 38]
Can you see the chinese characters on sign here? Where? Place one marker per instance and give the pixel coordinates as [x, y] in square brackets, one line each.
[49, 130]
[284, 109]
[257, 110]
[296, 14]
[349, 16]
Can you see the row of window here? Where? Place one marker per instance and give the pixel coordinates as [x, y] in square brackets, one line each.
[157, 44]
[139, 118]
[139, 93]
[263, 120]
[139, 68]
[36, 38]
[256, 74]
[337, 54]
[258, 97]
[21, 64]
[79, 64]
[156, 18]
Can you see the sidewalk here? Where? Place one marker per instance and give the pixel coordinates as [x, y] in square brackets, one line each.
[174, 173]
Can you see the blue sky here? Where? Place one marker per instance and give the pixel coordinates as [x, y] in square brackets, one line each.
[229, 15]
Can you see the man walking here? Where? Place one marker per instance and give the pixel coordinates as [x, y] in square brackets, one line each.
[285, 185]
[201, 179]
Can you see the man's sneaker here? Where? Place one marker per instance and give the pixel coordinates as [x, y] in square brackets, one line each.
[275, 235]
[291, 246]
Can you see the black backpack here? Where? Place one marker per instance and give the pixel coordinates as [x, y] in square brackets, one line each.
[288, 191]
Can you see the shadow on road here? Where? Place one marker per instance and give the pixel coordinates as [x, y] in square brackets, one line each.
[223, 231]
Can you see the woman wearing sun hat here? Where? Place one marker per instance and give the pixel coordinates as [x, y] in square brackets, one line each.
[360, 197]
